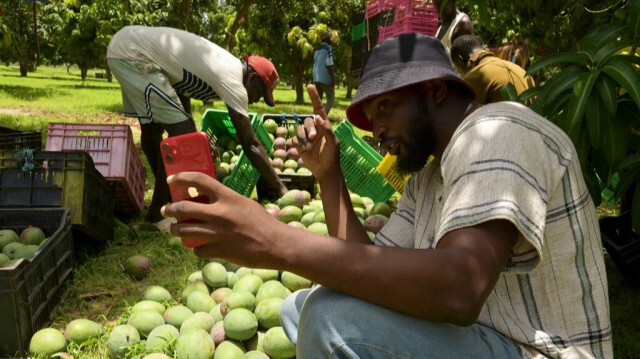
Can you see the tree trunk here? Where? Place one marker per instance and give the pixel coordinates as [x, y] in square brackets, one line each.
[241, 15]
[23, 69]
[84, 68]
[108, 70]
[298, 81]
[186, 9]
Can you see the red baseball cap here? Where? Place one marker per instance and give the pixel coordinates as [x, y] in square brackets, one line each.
[267, 73]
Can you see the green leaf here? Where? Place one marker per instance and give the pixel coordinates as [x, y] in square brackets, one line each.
[604, 34]
[631, 58]
[581, 93]
[624, 74]
[630, 162]
[610, 49]
[563, 57]
[529, 93]
[615, 140]
[635, 209]
[597, 116]
[633, 20]
[626, 180]
[559, 83]
[607, 89]
[556, 107]
[482, 10]
[509, 92]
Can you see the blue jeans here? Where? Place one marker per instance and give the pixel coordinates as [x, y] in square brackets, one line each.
[323, 323]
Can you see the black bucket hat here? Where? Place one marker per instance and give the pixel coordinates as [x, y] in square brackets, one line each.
[397, 62]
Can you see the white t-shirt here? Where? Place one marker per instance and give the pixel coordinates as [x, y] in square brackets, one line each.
[506, 162]
[196, 67]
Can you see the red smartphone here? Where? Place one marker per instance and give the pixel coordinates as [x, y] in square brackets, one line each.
[188, 153]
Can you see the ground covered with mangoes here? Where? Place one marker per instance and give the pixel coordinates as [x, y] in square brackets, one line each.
[144, 295]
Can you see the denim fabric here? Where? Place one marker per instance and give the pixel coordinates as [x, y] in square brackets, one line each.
[327, 324]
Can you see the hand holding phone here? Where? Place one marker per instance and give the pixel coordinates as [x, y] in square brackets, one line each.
[188, 153]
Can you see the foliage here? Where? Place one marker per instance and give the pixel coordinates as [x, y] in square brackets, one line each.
[18, 34]
[595, 98]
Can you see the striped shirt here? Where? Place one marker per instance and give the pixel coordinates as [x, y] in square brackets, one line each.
[196, 67]
[506, 162]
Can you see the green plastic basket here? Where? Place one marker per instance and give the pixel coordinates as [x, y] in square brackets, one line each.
[359, 162]
[243, 178]
[358, 31]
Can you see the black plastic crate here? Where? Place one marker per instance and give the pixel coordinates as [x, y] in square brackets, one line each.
[622, 244]
[11, 139]
[299, 181]
[59, 180]
[31, 289]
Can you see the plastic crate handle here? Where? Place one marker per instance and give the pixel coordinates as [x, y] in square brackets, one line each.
[88, 132]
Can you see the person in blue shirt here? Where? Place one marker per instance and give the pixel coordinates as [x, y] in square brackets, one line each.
[323, 71]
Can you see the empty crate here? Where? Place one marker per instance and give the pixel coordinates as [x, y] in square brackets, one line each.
[114, 155]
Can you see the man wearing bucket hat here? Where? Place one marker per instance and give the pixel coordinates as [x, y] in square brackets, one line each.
[160, 69]
[493, 251]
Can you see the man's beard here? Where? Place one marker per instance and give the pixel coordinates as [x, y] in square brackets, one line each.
[420, 146]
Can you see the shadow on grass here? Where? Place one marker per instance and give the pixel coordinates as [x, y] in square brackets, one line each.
[28, 93]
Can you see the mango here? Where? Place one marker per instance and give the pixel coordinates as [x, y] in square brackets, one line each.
[7, 236]
[375, 222]
[240, 324]
[157, 293]
[32, 235]
[268, 312]
[161, 338]
[47, 341]
[294, 282]
[249, 282]
[198, 320]
[145, 321]
[195, 344]
[271, 289]
[381, 208]
[120, 338]
[214, 275]
[319, 228]
[229, 349]
[148, 305]
[290, 213]
[277, 345]
[81, 330]
[238, 299]
[200, 302]
[176, 315]
[193, 287]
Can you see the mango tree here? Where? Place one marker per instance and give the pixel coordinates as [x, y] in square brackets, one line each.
[595, 98]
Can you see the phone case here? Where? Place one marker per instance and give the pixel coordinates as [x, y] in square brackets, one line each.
[187, 153]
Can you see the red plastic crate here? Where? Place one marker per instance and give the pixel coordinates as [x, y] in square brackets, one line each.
[114, 154]
[416, 9]
[406, 26]
[373, 7]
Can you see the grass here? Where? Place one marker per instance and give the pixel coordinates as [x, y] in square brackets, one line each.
[99, 289]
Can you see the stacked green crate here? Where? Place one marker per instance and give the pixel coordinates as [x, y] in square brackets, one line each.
[359, 162]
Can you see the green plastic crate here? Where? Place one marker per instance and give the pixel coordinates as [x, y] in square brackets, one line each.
[243, 178]
[358, 31]
[359, 162]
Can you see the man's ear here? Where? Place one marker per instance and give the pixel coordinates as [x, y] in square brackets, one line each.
[437, 90]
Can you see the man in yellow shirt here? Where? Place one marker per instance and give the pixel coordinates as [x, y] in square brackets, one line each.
[485, 72]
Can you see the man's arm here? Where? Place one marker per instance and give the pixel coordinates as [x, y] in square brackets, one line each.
[254, 150]
[447, 284]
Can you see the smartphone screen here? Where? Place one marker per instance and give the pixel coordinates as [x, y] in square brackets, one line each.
[188, 153]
